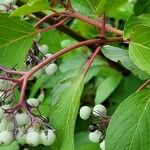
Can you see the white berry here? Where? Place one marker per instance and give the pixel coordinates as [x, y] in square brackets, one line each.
[48, 55]
[37, 38]
[33, 102]
[6, 106]
[6, 137]
[5, 85]
[21, 119]
[2, 8]
[95, 136]
[11, 1]
[1, 113]
[3, 124]
[102, 145]
[85, 112]
[51, 69]
[33, 138]
[32, 129]
[99, 110]
[21, 136]
[43, 49]
[48, 137]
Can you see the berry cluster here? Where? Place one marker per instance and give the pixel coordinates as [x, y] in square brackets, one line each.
[37, 54]
[98, 127]
[20, 123]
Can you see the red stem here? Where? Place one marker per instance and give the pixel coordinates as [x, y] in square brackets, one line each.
[94, 22]
[89, 62]
[9, 79]
[41, 21]
[143, 86]
[23, 89]
[103, 31]
[63, 51]
[54, 26]
[12, 71]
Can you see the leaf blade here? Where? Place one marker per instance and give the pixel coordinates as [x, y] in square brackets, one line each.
[67, 108]
[131, 118]
[15, 40]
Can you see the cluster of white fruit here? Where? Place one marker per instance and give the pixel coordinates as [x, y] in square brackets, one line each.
[17, 128]
[6, 3]
[17, 125]
[51, 68]
[98, 111]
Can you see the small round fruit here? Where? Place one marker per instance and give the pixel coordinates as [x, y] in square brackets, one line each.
[95, 136]
[43, 49]
[48, 137]
[2, 8]
[33, 138]
[5, 85]
[48, 55]
[85, 112]
[21, 119]
[21, 136]
[6, 137]
[6, 106]
[99, 110]
[1, 113]
[3, 124]
[37, 38]
[51, 69]
[33, 102]
[102, 145]
[11, 1]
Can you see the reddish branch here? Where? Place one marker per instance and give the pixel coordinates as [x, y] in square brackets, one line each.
[54, 26]
[90, 61]
[12, 71]
[143, 86]
[94, 22]
[86, 19]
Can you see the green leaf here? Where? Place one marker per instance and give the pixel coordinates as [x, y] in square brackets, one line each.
[112, 5]
[121, 55]
[139, 48]
[122, 13]
[129, 84]
[132, 118]
[31, 7]
[13, 146]
[89, 7]
[85, 29]
[83, 143]
[134, 22]
[64, 114]
[15, 40]
[142, 7]
[73, 62]
[107, 87]
[53, 39]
